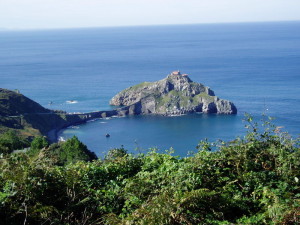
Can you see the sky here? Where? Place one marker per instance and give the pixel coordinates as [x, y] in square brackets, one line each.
[48, 14]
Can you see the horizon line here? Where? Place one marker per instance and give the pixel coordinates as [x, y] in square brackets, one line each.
[3, 29]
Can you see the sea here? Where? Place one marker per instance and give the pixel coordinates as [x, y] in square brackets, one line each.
[254, 65]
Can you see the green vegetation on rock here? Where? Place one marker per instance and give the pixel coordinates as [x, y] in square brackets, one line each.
[177, 94]
[206, 96]
[140, 86]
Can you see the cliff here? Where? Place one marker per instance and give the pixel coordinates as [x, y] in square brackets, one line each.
[175, 95]
[28, 118]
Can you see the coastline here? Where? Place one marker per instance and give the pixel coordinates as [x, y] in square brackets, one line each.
[71, 119]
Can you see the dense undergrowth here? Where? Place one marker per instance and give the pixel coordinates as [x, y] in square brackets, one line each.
[254, 180]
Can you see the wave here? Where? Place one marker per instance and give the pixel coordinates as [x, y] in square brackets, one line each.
[93, 120]
[61, 139]
[71, 101]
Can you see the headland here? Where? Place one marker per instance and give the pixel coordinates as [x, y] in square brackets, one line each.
[177, 94]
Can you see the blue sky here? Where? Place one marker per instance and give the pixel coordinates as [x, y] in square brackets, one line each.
[45, 14]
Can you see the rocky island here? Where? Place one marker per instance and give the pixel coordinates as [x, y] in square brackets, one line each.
[177, 94]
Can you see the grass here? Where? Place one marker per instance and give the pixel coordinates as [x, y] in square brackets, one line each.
[173, 97]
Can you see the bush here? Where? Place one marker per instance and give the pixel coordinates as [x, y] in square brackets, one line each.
[37, 144]
[10, 141]
[69, 151]
[254, 180]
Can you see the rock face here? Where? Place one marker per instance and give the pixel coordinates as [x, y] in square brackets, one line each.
[175, 95]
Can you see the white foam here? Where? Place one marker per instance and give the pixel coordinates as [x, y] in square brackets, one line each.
[61, 139]
[71, 102]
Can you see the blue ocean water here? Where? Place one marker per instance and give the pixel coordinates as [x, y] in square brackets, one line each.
[255, 65]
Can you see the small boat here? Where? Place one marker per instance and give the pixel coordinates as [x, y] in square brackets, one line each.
[107, 135]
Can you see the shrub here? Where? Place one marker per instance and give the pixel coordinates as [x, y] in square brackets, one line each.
[253, 180]
[10, 141]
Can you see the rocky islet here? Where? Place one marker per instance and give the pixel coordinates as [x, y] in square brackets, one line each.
[177, 94]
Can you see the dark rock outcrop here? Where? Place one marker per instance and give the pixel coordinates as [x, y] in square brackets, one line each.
[175, 95]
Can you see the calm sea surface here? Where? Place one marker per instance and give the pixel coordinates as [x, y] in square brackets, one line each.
[255, 65]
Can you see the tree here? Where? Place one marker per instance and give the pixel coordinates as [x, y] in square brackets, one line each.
[39, 143]
[71, 151]
[10, 141]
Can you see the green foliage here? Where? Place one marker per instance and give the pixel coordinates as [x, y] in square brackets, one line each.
[37, 144]
[10, 141]
[69, 151]
[139, 86]
[73, 150]
[116, 153]
[173, 97]
[254, 180]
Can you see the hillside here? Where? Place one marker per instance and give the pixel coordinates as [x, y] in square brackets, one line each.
[14, 107]
[28, 118]
[13, 104]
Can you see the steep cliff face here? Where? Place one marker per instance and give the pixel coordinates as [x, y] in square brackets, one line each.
[175, 95]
